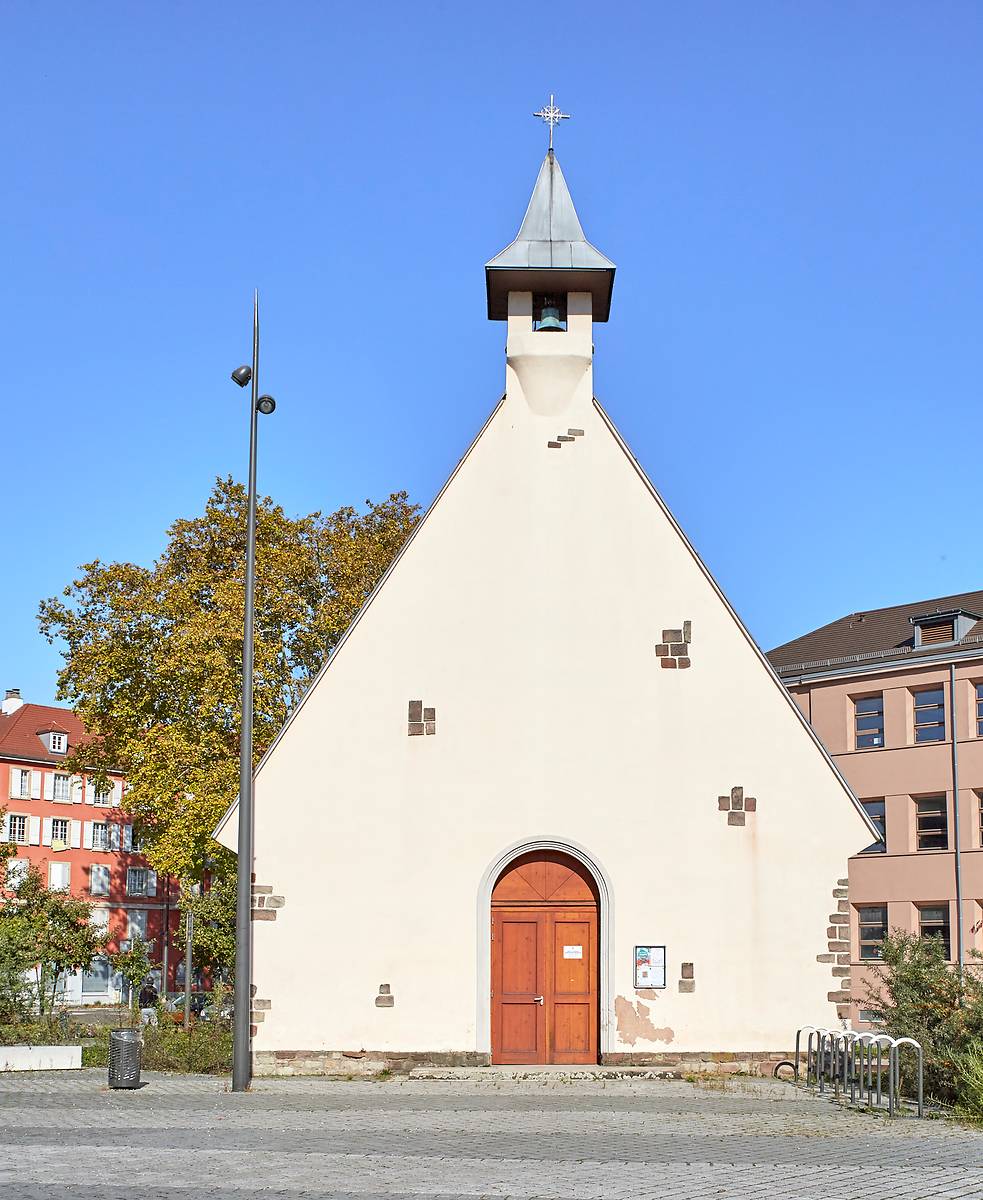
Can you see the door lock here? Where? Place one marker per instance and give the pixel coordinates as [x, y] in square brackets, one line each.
[537, 999]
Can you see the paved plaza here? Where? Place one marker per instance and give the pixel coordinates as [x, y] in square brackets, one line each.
[65, 1135]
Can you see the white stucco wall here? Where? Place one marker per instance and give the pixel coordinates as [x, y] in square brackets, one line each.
[526, 610]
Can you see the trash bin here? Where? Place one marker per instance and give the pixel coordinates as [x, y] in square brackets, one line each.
[124, 1058]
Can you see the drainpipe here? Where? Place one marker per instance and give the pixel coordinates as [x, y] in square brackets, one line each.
[960, 949]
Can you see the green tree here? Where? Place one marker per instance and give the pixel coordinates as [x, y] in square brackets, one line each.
[134, 965]
[52, 934]
[152, 655]
[214, 938]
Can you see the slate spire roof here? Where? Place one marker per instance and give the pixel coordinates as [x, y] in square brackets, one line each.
[550, 252]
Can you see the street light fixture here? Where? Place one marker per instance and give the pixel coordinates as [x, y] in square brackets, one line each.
[241, 1056]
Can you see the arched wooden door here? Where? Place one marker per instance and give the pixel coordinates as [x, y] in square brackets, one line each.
[545, 975]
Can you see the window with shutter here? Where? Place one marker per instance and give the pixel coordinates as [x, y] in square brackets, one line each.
[58, 876]
[932, 635]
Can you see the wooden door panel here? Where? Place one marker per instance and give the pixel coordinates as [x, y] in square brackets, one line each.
[573, 962]
[519, 949]
[520, 955]
[572, 997]
[520, 1033]
[572, 1040]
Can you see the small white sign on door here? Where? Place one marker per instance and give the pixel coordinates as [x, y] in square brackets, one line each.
[573, 952]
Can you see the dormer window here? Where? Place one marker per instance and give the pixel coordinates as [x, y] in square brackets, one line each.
[55, 740]
[942, 628]
[549, 313]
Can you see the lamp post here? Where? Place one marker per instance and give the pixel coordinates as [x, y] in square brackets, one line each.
[241, 1057]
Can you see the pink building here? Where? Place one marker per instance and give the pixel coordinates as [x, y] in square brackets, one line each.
[886, 690]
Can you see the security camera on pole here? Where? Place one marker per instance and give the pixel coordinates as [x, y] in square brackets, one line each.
[241, 1056]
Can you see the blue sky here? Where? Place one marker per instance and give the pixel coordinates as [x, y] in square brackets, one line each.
[792, 194]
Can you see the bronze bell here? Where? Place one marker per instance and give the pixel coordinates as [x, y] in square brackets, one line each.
[550, 318]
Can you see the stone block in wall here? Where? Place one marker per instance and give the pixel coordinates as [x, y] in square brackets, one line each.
[841, 946]
[687, 985]
[687, 971]
[415, 729]
[684, 663]
[672, 635]
[662, 649]
[750, 804]
[687, 631]
[415, 710]
[723, 803]
[735, 818]
[840, 893]
[668, 662]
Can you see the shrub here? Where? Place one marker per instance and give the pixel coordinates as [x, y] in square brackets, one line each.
[206, 1049]
[918, 995]
[969, 1083]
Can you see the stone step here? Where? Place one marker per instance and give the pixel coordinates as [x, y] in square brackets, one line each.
[549, 1072]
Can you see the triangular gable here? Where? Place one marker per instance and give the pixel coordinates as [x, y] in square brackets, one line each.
[428, 517]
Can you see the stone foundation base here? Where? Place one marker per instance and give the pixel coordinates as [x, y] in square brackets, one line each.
[348, 1064]
[344, 1064]
[695, 1062]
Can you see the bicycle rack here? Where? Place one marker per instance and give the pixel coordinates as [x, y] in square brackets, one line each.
[853, 1064]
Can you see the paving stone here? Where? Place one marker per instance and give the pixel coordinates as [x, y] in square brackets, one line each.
[65, 1135]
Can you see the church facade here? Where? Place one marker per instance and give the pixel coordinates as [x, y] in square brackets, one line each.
[546, 801]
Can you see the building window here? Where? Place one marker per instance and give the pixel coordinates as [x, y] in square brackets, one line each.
[17, 831]
[59, 831]
[875, 810]
[101, 799]
[96, 979]
[137, 921]
[21, 783]
[933, 921]
[873, 929]
[930, 715]
[931, 821]
[58, 876]
[136, 881]
[100, 835]
[869, 1016]
[16, 872]
[979, 710]
[99, 880]
[869, 721]
[56, 743]
[62, 788]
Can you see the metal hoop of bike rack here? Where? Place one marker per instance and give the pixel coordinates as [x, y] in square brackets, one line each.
[894, 1075]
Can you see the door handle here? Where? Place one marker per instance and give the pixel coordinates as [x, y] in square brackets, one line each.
[537, 999]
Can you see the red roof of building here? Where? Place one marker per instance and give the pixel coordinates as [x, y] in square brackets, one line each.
[20, 729]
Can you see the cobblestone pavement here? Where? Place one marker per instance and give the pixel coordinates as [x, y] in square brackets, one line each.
[63, 1134]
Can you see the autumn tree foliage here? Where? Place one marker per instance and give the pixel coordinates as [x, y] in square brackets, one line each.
[153, 655]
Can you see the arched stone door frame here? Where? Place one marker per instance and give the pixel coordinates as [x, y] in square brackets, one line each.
[605, 931]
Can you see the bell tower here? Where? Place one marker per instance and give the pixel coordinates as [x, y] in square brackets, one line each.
[550, 285]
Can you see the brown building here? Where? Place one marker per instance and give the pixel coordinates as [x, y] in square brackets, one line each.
[886, 690]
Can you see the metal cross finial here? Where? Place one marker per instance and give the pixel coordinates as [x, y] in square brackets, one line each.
[552, 116]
